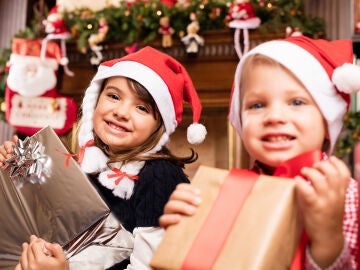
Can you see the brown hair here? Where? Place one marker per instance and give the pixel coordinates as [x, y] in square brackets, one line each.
[134, 154]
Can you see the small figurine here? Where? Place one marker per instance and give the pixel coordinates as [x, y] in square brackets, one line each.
[192, 40]
[240, 10]
[166, 30]
[55, 28]
[242, 17]
[97, 38]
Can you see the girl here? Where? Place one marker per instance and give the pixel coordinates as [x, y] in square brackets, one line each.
[289, 98]
[129, 110]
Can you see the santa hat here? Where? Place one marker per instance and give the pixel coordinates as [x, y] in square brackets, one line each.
[168, 83]
[55, 24]
[324, 67]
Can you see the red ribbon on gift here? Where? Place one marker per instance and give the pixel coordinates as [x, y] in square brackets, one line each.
[232, 195]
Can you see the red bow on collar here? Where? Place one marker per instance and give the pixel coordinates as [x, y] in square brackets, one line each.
[119, 175]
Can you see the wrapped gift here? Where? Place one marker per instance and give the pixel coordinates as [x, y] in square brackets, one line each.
[45, 193]
[245, 221]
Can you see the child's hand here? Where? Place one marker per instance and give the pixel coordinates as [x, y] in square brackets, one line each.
[183, 201]
[322, 202]
[39, 255]
[6, 150]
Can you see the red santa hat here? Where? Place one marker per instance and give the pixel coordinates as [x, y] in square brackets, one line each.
[55, 24]
[166, 80]
[324, 67]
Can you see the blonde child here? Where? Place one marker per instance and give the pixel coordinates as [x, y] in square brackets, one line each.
[130, 109]
[290, 97]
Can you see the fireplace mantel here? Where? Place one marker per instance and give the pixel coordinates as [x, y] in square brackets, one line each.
[212, 70]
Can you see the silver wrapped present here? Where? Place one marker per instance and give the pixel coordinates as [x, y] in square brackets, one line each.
[44, 192]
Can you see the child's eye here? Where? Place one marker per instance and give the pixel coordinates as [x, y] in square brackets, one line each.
[113, 96]
[297, 102]
[143, 108]
[256, 106]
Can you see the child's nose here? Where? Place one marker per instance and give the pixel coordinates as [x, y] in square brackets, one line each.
[275, 114]
[122, 110]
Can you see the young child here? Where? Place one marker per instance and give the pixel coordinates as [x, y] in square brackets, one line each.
[289, 97]
[130, 109]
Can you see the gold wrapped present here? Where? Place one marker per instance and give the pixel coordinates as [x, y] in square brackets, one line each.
[44, 192]
[246, 221]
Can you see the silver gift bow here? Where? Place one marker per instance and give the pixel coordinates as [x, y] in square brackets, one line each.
[29, 164]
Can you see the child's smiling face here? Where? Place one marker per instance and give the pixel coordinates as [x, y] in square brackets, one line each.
[279, 117]
[121, 119]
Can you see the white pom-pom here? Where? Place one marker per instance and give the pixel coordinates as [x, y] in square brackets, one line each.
[347, 78]
[196, 133]
[94, 160]
[64, 61]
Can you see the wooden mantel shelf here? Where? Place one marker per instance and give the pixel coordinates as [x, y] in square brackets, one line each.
[212, 70]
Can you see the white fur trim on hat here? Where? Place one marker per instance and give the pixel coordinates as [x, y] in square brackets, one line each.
[310, 72]
[347, 78]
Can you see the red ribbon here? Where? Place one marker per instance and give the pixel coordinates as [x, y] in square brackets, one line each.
[119, 175]
[233, 193]
[79, 156]
[290, 169]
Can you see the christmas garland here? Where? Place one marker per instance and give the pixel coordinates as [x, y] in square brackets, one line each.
[139, 21]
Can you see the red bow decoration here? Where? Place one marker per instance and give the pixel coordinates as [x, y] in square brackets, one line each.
[79, 156]
[119, 175]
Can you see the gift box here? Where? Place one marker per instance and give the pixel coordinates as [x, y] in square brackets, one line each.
[245, 221]
[44, 192]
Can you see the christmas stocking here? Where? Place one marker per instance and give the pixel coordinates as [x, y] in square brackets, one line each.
[31, 98]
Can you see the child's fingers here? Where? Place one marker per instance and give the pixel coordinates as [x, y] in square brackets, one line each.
[56, 251]
[9, 147]
[15, 138]
[6, 151]
[39, 250]
[169, 219]
[187, 194]
[174, 206]
[305, 190]
[316, 178]
[33, 238]
[24, 256]
[18, 267]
